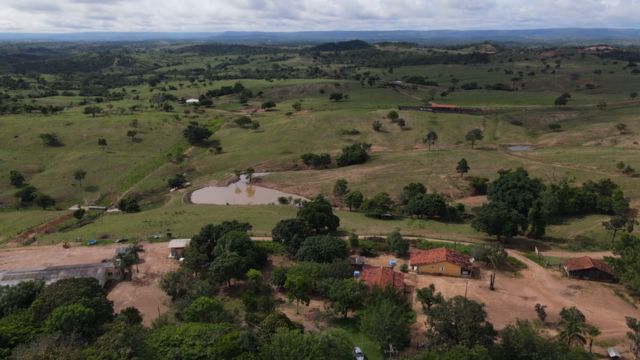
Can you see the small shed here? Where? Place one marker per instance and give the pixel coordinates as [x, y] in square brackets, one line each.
[382, 277]
[192, 101]
[586, 268]
[357, 262]
[176, 248]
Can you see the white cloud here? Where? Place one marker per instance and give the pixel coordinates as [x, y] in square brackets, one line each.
[304, 15]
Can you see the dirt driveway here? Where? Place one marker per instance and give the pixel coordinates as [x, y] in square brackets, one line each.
[142, 292]
[516, 296]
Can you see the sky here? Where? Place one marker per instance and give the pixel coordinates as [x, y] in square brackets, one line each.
[52, 16]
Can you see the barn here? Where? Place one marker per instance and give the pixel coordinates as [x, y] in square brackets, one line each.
[586, 268]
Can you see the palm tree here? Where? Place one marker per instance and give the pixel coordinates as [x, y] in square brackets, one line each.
[592, 333]
[573, 328]
[430, 138]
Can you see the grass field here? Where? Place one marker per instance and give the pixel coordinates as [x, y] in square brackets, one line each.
[587, 147]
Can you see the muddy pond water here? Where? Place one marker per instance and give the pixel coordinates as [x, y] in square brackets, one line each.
[240, 192]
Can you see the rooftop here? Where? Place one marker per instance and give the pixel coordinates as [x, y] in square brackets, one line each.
[585, 263]
[179, 243]
[433, 256]
[51, 274]
[382, 277]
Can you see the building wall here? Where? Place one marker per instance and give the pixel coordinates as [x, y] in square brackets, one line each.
[442, 268]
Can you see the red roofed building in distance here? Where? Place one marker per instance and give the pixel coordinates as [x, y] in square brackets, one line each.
[382, 277]
[587, 268]
[441, 261]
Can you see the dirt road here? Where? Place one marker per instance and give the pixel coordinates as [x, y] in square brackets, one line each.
[143, 292]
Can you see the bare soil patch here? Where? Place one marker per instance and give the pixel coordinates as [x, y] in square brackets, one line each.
[143, 292]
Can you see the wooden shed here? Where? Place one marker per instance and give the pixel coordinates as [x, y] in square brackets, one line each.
[587, 268]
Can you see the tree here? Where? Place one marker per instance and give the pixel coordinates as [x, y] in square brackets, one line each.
[614, 225]
[196, 134]
[16, 178]
[410, 191]
[430, 138]
[340, 188]
[51, 140]
[462, 167]
[298, 287]
[347, 295]
[79, 175]
[633, 95]
[515, 189]
[537, 220]
[268, 105]
[572, 328]
[626, 265]
[132, 134]
[83, 291]
[354, 154]
[459, 321]
[430, 206]
[19, 296]
[322, 249]
[376, 125]
[227, 266]
[178, 181]
[524, 341]
[397, 244]
[634, 335]
[102, 142]
[129, 204]
[316, 160]
[176, 283]
[541, 312]
[354, 200]
[473, 136]
[602, 105]
[387, 322]
[92, 110]
[561, 100]
[318, 213]
[291, 233]
[73, 319]
[428, 297]
[401, 123]
[378, 206]
[205, 310]
[44, 201]
[393, 115]
[297, 106]
[336, 96]
[26, 195]
[498, 219]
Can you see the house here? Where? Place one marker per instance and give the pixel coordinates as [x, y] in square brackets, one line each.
[443, 107]
[441, 261]
[176, 248]
[382, 277]
[102, 272]
[587, 268]
[192, 101]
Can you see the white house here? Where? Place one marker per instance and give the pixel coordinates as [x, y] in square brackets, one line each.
[176, 247]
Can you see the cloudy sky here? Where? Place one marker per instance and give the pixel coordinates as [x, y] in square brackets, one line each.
[299, 15]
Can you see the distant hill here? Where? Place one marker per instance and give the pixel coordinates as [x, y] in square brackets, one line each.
[432, 37]
[342, 46]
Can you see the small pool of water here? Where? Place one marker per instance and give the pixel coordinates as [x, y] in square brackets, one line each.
[520, 147]
[239, 193]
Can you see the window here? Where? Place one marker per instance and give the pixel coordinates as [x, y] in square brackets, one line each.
[441, 268]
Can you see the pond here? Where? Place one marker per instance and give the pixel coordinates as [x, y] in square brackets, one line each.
[520, 147]
[240, 192]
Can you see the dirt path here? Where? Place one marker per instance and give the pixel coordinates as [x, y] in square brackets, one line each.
[26, 236]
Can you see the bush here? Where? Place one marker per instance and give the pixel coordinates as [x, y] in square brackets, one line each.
[322, 249]
[129, 204]
[316, 160]
[357, 153]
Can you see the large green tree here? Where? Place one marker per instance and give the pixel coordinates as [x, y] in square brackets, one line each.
[291, 233]
[318, 213]
[499, 220]
[322, 249]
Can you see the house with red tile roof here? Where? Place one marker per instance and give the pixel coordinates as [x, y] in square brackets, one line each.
[441, 261]
[587, 268]
[382, 277]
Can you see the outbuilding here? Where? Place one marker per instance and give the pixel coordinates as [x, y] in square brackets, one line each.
[441, 261]
[587, 268]
[102, 272]
[382, 277]
[192, 101]
[176, 248]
